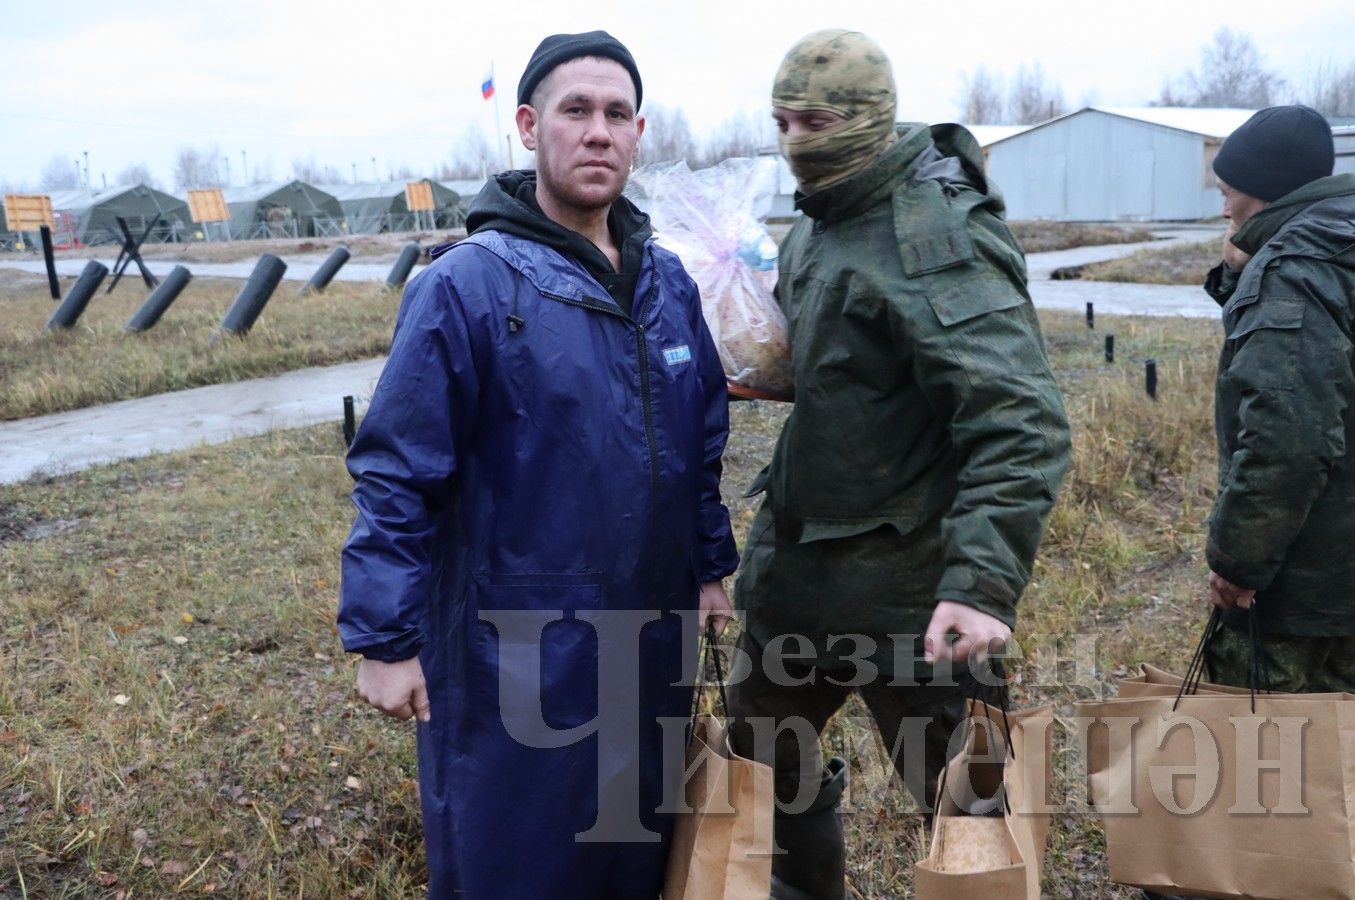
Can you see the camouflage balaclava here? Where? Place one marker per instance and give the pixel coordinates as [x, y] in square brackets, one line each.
[847, 73]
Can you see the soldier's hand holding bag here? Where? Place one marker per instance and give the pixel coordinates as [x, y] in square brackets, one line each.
[722, 841]
[990, 822]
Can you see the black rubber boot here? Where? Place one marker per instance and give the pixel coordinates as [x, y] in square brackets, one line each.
[814, 864]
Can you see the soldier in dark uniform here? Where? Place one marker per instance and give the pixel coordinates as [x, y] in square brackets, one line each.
[1280, 533]
[910, 486]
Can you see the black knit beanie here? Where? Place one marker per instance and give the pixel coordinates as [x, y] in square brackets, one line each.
[561, 48]
[1276, 151]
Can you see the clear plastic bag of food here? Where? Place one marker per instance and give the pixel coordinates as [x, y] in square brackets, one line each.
[714, 220]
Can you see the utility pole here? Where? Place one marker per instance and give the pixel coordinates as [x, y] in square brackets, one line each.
[355, 173]
[227, 161]
[86, 152]
[375, 175]
[244, 168]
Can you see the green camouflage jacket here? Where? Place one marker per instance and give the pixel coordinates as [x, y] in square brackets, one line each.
[928, 437]
[1285, 413]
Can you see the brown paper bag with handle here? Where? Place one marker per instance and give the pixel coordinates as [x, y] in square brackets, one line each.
[722, 845]
[1154, 682]
[1188, 807]
[992, 856]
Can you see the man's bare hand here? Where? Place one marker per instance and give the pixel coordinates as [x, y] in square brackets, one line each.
[1234, 257]
[1226, 595]
[977, 633]
[397, 689]
[714, 605]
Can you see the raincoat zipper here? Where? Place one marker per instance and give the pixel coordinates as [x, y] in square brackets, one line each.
[650, 443]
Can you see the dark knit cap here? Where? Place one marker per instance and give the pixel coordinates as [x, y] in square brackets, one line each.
[1276, 151]
[561, 48]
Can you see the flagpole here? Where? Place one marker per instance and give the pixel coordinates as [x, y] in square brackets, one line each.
[498, 120]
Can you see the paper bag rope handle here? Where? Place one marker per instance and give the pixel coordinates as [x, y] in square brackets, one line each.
[1258, 679]
[974, 690]
[708, 651]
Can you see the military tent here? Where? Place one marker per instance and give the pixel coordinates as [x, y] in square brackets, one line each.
[283, 209]
[91, 216]
[376, 207]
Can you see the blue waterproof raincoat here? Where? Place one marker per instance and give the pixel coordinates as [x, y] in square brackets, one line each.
[530, 446]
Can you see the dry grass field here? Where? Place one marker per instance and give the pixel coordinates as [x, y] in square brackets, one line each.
[1178, 264]
[1042, 237]
[177, 716]
[98, 362]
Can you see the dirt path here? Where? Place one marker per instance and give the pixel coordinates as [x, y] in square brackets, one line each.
[65, 442]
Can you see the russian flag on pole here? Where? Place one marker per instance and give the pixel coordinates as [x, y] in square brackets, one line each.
[487, 87]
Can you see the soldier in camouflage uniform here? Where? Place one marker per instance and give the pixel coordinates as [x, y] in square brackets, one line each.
[1280, 532]
[910, 486]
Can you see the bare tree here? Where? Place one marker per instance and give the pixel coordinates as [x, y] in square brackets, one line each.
[667, 136]
[474, 156]
[1232, 72]
[198, 168]
[980, 97]
[62, 173]
[1032, 99]
[1029, 97]
[312, 172]
[1331, 89]
[1170, 95]
[742, 135]
[137, 173]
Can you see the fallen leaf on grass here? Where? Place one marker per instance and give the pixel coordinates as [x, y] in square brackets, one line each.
[121, 699]
[174, 867]
[105, 879]
[352, 781]
[180, 639]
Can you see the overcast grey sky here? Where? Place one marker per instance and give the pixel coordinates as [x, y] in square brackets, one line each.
[400, 80]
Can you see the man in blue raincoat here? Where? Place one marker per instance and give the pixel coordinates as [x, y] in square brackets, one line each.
[538, 497]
